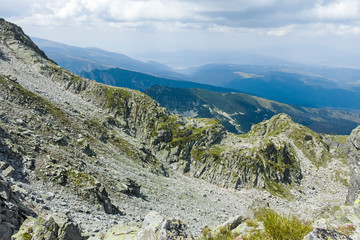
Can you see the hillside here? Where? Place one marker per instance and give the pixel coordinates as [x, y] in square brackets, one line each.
[83, 160]
[295, 84]
[239, 111]
[141, 81]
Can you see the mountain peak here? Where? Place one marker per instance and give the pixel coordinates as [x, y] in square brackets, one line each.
[11, 33]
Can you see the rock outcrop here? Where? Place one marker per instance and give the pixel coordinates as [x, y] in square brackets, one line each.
[47, 229]
[354, 165]
[155, 227]
[12, 211]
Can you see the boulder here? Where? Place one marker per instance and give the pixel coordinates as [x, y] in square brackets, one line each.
[47, 229]
[131, 188]
[155, 227]
[123, 231]
[325, 234]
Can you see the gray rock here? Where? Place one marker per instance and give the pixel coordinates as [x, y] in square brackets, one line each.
[5, 231]
[155, 227]
[47, 229]
[131, 188]
[354, 167]
[12, 211]
[3, 165]
[8, 171]
[61, 141]
[70, 231]
[325, 234]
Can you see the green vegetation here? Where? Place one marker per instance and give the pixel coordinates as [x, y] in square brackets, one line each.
[224, 233]
[80, 179]
[277, 189]
[340, 138]
[283, 228]
[33, 100]
[125, 147]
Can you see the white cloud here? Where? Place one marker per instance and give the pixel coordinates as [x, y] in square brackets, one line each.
[278, 32]
[270, 17]
[111, 11]
[338, 10]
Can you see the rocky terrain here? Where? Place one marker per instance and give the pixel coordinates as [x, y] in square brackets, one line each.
[82, 160]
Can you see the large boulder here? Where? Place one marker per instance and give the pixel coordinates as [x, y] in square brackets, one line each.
[47, 229]
[123, 231]
[155, 227]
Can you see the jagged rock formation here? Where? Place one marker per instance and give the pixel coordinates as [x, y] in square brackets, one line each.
[72, 143]
[12, 211]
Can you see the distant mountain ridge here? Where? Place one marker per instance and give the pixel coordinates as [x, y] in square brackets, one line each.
[77, 59]
[239, 111]
[141, 81]
[301, 85]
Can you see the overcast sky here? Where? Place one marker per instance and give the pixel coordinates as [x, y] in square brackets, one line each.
[136, 26]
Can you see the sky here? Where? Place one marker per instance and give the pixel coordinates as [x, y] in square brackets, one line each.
[135, 27]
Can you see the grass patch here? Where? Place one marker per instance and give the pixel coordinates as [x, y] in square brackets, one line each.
[277, 227]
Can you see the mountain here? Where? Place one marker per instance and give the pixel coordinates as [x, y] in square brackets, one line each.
[301, 85]
[141, 81]
[239, 111]
[84, 160]
[78, 59]
[268, 77]
[190, 58]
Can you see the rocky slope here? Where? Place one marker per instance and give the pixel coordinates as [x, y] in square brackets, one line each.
[85, 157]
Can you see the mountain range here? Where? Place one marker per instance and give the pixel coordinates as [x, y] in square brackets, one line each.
[84, 160]
[239, 111]
[286, 82]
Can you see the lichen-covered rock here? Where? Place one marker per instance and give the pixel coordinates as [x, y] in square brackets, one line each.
[325, 234]
[126, 231]
[47, 229]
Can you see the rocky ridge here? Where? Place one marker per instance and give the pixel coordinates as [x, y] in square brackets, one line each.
[69, 145]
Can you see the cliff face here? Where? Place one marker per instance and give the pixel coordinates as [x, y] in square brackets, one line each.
[354, 165]
[70, 146]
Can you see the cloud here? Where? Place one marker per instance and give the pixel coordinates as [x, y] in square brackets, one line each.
[272, 17]
[338, 10]
[278, 32]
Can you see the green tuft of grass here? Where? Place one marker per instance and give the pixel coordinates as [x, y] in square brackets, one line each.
[277, 227]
